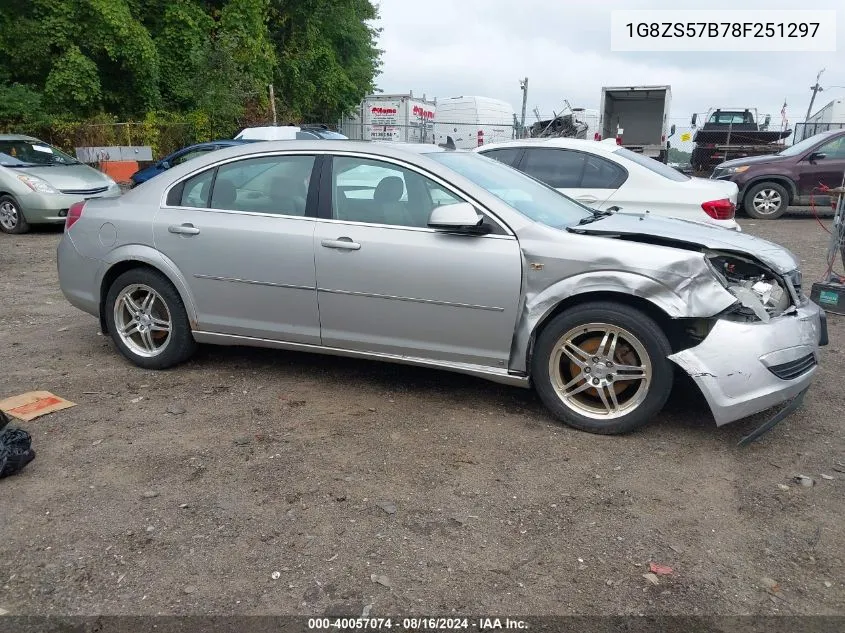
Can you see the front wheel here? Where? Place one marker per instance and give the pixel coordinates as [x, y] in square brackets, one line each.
[11, 216]
[147, 320]
[766, 201]
[603, 368]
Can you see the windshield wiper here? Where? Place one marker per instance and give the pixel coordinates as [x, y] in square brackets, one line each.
[597, 215]
[23, 165]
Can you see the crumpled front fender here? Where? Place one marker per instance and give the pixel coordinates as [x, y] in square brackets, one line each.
[687, 288]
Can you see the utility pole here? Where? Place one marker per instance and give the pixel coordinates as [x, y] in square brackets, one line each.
[273, 103]
[524, 85]
[817, 88]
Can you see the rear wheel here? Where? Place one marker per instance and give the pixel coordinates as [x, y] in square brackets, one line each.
[11, 216]
[147, 320]
[602, 367]
[766, 201]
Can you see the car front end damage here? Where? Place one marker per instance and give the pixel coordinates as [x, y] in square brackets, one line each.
[739, 323]
[763, 350]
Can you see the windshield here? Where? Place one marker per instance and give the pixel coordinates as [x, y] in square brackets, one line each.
[803, 146]
[652, 165]
[23, 153]
[530, 197]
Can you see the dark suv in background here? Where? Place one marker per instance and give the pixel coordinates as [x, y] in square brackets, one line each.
[769, 184]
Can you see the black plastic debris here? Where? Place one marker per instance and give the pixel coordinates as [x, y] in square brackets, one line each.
[15, 448]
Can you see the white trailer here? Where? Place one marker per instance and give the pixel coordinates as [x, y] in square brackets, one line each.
[473, 121]
[833, 112]
[392, 117]
[638, 117]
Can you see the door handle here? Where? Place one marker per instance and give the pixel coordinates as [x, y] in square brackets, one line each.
[587, 199]
[183, 229]
[342, 243]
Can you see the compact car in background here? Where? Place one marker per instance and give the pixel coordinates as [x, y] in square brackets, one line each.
[39, 183]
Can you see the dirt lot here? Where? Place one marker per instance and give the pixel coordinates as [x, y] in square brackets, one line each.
[255, 481]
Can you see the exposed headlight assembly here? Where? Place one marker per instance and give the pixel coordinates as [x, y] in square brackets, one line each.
[760, 293]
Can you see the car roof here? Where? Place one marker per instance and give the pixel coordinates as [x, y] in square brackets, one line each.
[18, 137]
[598, 147]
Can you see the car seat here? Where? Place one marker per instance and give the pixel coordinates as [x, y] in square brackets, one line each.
[224, 194]
[387, 200]
[288, 195]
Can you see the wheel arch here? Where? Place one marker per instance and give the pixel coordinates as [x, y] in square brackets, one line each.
[131, 257]
[784, 181]
[672, 312]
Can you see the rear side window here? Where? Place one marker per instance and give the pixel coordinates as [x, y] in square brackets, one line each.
[506, 155]
[276, 185]
[193, 192]
[600, 173]
[557, 168]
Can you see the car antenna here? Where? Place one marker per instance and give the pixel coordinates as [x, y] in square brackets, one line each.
[449, 144]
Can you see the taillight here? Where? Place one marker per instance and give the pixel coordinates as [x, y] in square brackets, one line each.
[596, 136]
[618, 140]
[73, 214]
[722, 209]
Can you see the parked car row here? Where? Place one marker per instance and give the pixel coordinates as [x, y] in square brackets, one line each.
[599, 174]
[431, 256]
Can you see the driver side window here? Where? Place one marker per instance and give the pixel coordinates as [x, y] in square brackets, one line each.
[834, 149]
[376, 192]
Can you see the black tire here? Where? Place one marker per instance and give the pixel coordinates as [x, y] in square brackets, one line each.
[650, 337]
[772, 191]
[180, 346]
[19, 225]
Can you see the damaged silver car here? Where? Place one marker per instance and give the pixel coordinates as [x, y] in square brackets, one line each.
[430, 256]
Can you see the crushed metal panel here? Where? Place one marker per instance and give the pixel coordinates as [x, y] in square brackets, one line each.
[557, 267]
[743, 382]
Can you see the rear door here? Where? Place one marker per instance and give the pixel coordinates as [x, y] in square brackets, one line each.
[601, 182]
[508, 155]
[242, 235]
[564, 169]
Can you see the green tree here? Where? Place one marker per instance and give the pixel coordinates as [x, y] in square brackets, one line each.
[73, 84]
[209, 61]
[327, 53]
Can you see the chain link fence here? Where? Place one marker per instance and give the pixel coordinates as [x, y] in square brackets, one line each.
[465, 135]
[806, 130]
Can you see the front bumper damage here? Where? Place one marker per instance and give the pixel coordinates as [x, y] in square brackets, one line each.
[743, 368]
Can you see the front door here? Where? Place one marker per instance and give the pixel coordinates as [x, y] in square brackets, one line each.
[243, 239]
[389, 284]
[825, 171]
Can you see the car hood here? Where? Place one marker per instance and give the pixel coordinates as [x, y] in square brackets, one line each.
[690, 235]
[753, 160]
[64, 177]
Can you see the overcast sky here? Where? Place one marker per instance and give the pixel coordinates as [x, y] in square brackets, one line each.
[448, 48]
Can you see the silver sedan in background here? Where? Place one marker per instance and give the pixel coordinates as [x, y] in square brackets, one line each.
[429, 256]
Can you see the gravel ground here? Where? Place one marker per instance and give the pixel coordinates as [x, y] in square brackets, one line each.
[257, 481]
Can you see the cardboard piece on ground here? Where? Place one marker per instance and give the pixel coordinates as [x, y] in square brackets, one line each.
[33, 404]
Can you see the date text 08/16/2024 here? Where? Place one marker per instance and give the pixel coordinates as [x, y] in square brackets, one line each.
[416, 624]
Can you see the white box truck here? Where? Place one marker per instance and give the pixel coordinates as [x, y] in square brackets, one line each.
[392, 117]
[638, 117]
[473, 121]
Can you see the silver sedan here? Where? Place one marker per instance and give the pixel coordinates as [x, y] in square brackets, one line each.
[430, 256]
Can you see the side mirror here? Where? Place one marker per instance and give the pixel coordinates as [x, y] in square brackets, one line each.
[816, 156]
[164, 165]
[460, 217]
[694, 118]
[767, 120]
[672, 130]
